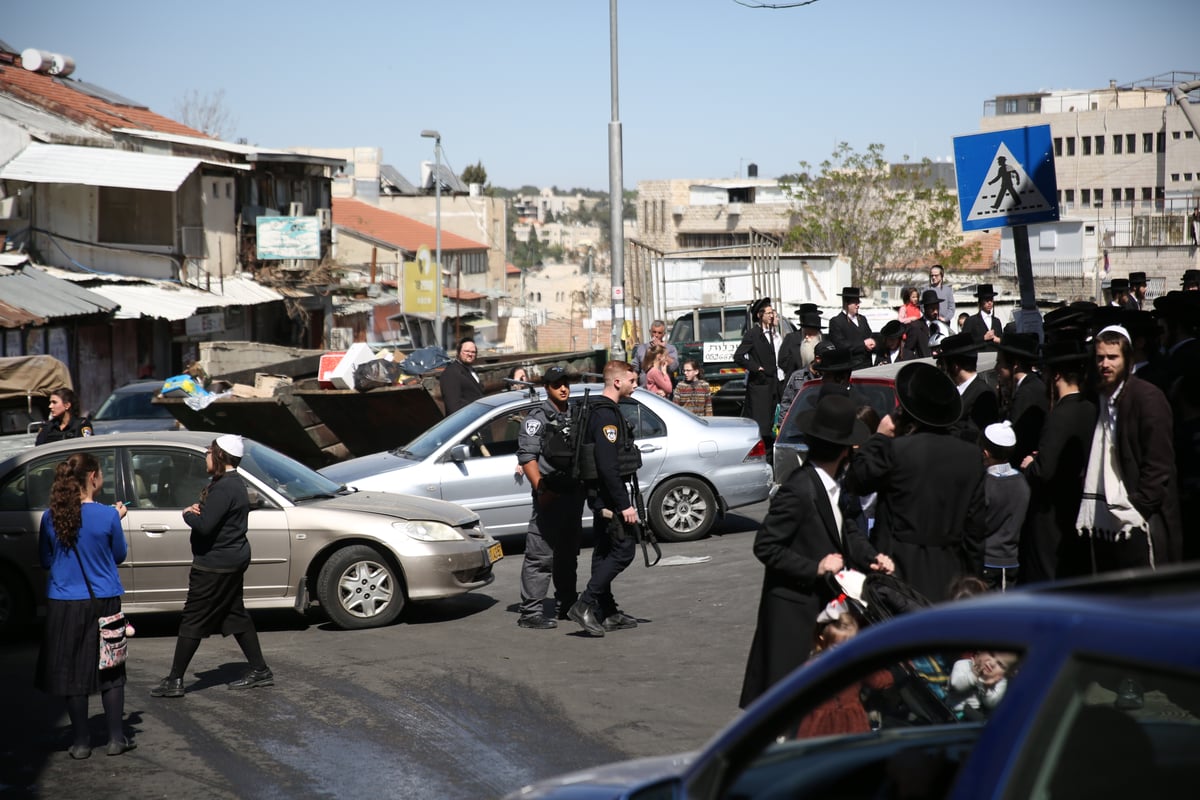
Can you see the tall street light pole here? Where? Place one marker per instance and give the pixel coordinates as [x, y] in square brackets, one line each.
[616, 198]
[437, 221]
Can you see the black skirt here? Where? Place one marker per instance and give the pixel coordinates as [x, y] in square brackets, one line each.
[214, 605]
[69, 661]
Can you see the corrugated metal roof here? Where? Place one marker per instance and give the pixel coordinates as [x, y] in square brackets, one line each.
[389, 175]
[41, 124]
[95, 166]
[42, 295]
[158, 299]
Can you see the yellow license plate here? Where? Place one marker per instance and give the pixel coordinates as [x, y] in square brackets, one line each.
[495, 553]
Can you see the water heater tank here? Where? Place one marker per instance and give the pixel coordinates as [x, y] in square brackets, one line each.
[63, 65]
[44, 61]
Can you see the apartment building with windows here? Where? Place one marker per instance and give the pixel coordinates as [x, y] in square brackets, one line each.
[1127, 162]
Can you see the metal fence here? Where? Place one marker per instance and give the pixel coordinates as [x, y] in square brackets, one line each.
[1059, 268]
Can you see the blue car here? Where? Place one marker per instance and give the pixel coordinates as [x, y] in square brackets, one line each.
[1100, 699]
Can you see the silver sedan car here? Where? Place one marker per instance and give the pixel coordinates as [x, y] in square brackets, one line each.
[362, 555]
[693, 468]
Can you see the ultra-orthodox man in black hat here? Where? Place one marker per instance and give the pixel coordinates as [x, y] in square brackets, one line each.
[850, 330]
[758, 354]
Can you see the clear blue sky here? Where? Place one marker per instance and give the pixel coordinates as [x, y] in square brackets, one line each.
[706, 86]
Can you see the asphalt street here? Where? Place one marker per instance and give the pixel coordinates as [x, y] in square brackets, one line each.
[454, 701]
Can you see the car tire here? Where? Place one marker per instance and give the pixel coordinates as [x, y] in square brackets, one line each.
[15, 601]
[683, 510]
[360, 587]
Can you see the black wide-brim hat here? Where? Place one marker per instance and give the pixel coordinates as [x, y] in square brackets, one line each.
[1137, 279]
[807, 308]
[836, 359]
[1119, 285]
[851, 293]
[758, 305]
[1065, 351]
[811, 320]
[984, 291]
[1077, 314]
[1021, 345]
[833, 421]
[1190, 276]
[956, 345]
[929, 297]
[928, 395]
[892, 329]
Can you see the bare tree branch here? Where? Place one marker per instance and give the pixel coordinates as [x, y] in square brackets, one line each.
[775, 5]
[205, 112]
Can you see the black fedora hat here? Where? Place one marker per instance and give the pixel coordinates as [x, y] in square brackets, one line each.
[758, 305]
[833, 421]
[807, 308]
[928, 395]
[1119, 285]
[835, 359]
[851, 293]
[892, 329]
[929, 297]
[1021, 345]
[957, 344]
[1137, 279]
[811, 320]
[984, 291]
[1065, 351]
[1191, 277]
[1077, 314]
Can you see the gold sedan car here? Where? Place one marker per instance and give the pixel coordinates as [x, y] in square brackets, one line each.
[361, 555]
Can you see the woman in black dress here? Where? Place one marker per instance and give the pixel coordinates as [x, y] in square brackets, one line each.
[220, 556]
[81, 542]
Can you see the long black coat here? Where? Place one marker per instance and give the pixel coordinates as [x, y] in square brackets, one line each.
[460, 386]
[1027, 413]
[848, 336]
[1050, 548]
[980, 409]
[930, 514]
[790, 357]
[756, 355]
[1146, 452]
[978, 328]
[798, 531]
[917, 338]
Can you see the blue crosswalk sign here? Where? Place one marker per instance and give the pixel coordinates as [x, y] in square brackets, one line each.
[1006, 178]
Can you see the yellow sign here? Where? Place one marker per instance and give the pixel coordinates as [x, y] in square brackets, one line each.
[420, 284]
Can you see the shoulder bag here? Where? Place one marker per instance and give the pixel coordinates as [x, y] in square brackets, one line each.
[114, 646]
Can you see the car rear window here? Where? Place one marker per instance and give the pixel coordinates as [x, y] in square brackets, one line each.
[881, 396]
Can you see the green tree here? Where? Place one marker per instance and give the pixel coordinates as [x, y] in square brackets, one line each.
[475, 173]
[885, 218]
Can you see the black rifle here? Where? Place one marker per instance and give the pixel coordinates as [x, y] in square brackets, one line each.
[642, 530]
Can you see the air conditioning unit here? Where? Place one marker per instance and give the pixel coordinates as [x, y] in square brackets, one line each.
[325, 217]
[679, 211]
[296, 209]
[733, 209]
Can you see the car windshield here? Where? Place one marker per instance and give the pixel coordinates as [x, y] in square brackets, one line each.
[131, 405]
[290, 478]
[449, 428]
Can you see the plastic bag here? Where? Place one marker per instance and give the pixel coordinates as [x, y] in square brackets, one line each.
[427, 358]
[376, 373]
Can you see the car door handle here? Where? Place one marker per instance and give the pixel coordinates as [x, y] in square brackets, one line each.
[649, 448]
[156, 529]
[14, 533]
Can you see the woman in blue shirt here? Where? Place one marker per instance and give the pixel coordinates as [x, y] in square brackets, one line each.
[81, 542]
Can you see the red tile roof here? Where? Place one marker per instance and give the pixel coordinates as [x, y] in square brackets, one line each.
[45, 92]
[459, 294]
[986, 244]
[509, 269]
[388, 226]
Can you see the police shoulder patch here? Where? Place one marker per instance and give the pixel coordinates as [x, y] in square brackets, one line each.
[532, 426]
[610, 433]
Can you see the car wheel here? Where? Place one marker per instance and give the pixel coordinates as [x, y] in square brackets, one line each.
[683, 510]
[14, 601]
[359, 588]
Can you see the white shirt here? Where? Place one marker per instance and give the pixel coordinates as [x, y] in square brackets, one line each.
[835, 492]
[962, 387]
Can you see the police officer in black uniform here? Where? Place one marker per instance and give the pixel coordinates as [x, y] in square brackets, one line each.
[65, 422]
[616, 460]
[552, 542]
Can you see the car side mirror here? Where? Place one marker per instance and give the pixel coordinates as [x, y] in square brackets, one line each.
[460, 453]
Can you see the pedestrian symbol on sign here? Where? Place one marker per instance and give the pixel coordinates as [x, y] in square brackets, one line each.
[1009, 190]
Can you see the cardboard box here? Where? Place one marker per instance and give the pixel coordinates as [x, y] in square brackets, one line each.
[328, 364]
[243, 390]
[267, 384]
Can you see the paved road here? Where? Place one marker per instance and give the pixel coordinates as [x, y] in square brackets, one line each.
[455, 701]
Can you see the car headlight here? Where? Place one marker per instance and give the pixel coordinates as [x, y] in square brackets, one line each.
[427, 531]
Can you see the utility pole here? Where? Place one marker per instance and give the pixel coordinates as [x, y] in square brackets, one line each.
[616, 198]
